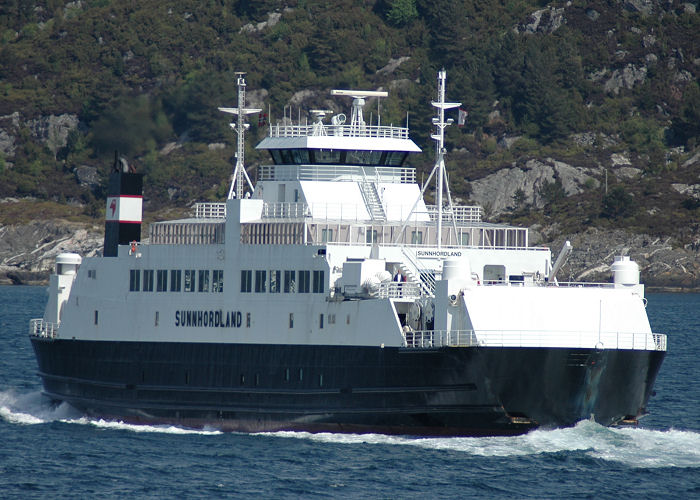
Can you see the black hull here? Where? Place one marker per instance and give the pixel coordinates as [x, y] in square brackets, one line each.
[251, 387]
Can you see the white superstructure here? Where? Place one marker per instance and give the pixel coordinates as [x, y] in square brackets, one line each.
[335, 245]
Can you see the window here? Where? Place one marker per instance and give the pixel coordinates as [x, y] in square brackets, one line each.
[96, 316]
[246, 281]
[162, 280]
[300, 156]
[371, 236]
[189, 281]
[363, 157]
[247, 320]
[275, 281]
[304, 281]
[327, 156]
[175, 280]
[416, 237]
[92, 273]
[148, 280]
[326, 235]
[217, 280]
[320, 321]
[291, 320]
[157, 318]
[289, 282]
[464, 239]
[260, 278]
[204, 281]
[318, 285]
[134, 280]
[395, 158]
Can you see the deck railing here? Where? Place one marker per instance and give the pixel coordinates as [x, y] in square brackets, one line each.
[353, 173]
[345, 130]
[534, 338]
[399, 290]
[40, 328]
[210, 210]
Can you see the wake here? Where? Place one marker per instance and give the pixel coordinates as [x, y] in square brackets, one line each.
[34, 409]
[634, 447]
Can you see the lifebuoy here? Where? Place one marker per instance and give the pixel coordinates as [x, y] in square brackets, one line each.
[133, 247]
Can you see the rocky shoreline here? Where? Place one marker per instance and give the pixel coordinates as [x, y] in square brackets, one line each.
[27, 254]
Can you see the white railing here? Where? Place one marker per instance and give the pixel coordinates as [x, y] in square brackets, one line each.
[285, 210]
[399, 290]
[462, 214]
[210, 210]
[378, 131]
[40, 328]
[354, 173]
[534, 338]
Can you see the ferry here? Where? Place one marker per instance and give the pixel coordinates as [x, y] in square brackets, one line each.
[331, 297]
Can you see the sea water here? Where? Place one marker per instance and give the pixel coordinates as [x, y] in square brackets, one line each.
[57, 452]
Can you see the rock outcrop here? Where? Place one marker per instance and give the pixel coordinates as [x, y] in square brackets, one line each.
[28, 252]
[509, 187]
[662, 264]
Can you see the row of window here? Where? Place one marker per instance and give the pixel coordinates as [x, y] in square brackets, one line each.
[163, 280]
[293, 282]
[194, 280]
[337, 157]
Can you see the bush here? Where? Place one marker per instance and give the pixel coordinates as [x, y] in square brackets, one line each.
[618, 203]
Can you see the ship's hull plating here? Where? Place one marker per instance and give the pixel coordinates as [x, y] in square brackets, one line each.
[254, 387]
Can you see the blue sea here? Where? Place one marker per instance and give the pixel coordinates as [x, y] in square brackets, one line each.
[50, 452]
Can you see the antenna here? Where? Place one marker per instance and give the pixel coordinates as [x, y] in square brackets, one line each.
[441, 124]
[439, 168]
[239, 173]
[357, 122]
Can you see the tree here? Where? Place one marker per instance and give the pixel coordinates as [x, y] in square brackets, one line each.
[402, 12]
[618, 203]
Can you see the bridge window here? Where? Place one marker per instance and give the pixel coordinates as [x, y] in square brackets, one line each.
[363, 157]
[326, 156]
[416, 237]
[395, 158]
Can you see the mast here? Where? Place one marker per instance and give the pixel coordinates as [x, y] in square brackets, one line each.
[239, 173]
[440, 124]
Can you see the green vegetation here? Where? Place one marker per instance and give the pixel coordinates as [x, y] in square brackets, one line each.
[146, 78]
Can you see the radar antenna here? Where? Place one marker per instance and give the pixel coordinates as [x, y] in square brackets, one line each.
[357, 121]
[239, 173]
